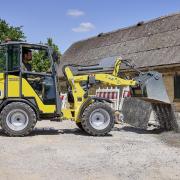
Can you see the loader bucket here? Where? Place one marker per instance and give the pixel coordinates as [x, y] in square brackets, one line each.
[151, 87]
[150, 96]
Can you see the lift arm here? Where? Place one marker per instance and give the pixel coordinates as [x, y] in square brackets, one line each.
[80, 93]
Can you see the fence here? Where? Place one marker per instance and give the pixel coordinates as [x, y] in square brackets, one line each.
[110, 93]
[115, 95]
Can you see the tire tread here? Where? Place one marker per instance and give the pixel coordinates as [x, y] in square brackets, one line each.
[85, 118]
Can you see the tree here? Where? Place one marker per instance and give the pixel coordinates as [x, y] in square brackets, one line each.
[13, 33]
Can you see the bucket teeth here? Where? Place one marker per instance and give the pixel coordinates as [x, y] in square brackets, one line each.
[165, 115]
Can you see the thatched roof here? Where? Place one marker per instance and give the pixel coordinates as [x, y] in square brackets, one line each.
[153, 43]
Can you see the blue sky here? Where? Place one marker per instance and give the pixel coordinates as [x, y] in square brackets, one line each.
[71, 20]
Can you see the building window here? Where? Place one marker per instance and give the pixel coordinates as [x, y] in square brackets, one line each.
[177, 86]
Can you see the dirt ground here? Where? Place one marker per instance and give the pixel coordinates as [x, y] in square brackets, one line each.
[61, 151]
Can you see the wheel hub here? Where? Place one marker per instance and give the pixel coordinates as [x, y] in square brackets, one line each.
[99, 119]
[17, 119]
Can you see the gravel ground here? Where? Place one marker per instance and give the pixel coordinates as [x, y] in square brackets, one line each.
[61, 151]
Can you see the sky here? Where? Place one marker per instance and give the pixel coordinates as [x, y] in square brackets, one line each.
[68, 21]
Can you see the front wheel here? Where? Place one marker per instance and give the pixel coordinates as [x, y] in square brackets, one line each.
[98, 119]
[17, 119]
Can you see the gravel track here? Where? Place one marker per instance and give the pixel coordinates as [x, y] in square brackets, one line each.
[62, 151]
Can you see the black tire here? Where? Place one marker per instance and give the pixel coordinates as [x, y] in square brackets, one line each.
[14, 113]
[79, 125]
[103, 113]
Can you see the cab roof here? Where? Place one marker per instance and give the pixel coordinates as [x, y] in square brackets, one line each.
[26, 44]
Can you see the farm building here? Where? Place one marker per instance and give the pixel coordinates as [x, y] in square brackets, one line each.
[152, 45]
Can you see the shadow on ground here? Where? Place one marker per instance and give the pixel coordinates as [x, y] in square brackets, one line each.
[40, 131]
[53, 131]
[138, 130]
[77, 131]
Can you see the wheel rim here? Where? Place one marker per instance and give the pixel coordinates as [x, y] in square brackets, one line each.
[17, 119]
[99, 119]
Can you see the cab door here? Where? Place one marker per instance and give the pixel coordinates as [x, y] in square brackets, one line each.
[41, 80]
[13, 71]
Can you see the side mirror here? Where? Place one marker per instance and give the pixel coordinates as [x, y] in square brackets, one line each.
[55, 57]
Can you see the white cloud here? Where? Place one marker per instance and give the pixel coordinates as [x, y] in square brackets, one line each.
[84, 27]
[75, 13]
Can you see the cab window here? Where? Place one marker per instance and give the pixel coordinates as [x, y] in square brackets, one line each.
[36, 60]
[13, 57]
[40, 61]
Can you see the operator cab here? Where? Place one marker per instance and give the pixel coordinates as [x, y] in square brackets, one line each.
[35, 64]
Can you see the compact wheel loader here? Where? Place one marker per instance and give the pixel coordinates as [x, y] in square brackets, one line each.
[28, 95]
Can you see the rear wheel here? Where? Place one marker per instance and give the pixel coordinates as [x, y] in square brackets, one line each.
[18, 119]
[98, 119]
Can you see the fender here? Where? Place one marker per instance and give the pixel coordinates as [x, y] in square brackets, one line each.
[31, 104]
[89, 99]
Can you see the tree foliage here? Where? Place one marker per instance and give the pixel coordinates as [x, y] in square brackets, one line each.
[40, 62]
[10, 32]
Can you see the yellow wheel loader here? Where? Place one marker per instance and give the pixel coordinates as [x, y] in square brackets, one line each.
[29, 94]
